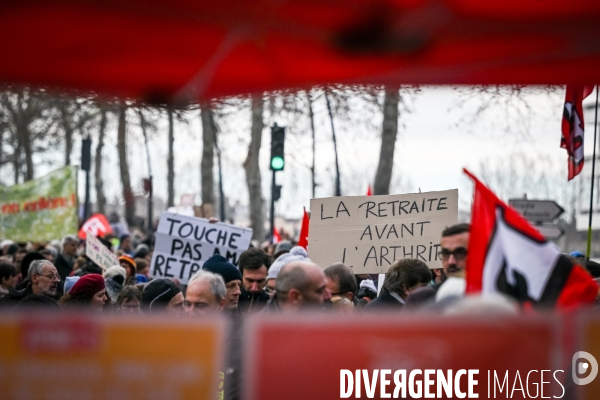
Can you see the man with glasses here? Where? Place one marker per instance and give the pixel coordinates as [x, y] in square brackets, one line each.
[43, 281]
[454, 246]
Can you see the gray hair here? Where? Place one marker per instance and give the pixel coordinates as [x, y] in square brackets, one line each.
[36, 267]
[215, 281]
[69, 239]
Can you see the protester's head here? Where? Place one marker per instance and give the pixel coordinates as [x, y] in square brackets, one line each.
[49, 254]
[301, 284]
[593, 268]
[162, 296]
[129, 301]
[454, 245]
[282, 247]
[142, 266]
[127, 262]
[125, 242]
[8, 275]
[27, 260]
[18, 257]
[88, 291]
[142, 251]
[115, 270]
[43, 277]
[69, 245]
[4, 245]
[405, 276]
[205, 293]
[37, 302]
[296, 254]
[254, 264]
[340, 281]
[231, 276]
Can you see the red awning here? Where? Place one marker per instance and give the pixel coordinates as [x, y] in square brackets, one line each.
[189, 49]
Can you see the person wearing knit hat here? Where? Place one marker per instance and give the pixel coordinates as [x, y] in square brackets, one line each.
[162, 295]
[297, 253]
[70, 281]
[232, 277]
[115, 270]
[127, 262]
[89, 290]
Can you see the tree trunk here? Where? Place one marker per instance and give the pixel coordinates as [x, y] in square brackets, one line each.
[124, 168]
[208, 145]
[389, 132]
[314, 144]
[251, 166]
[170, 167]
[24, 136]
[66, 122]
[100, 198]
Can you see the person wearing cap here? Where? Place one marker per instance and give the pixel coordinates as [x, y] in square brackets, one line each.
[231, 276]
[162, 296]
[281, 248]
[127, 262]
[88, 291]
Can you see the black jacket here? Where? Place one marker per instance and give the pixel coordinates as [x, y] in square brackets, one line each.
[385, 301]
[63, 266]
[252, 302]
[13, 297]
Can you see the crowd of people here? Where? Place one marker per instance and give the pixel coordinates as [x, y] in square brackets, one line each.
[280, 279]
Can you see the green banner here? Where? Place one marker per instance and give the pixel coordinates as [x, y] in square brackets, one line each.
[42, 209]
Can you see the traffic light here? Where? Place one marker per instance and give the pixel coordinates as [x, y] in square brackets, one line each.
[277, 153]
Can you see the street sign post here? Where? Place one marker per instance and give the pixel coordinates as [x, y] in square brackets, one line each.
[537, 210]
[551, 232]
[540, 213]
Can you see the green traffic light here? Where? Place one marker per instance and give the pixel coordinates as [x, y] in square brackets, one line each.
[277, 163]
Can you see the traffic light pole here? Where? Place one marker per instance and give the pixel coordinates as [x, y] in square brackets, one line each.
[272, 216]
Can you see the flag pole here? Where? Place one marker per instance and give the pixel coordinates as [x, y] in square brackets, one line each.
[589, 237]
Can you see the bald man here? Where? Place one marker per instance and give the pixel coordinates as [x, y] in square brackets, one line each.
[301, 285]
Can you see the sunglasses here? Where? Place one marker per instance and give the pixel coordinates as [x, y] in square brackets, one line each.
[460, 253]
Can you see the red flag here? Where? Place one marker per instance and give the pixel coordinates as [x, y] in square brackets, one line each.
[97, 224]
[369, 192]
[276, 236]
[507, 255]
[303, 241]
[573, 127]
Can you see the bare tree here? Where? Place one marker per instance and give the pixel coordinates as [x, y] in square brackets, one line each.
[251, 166]
[99, 183]
[170, 161]
[208, 144]
[389, 133]
[124, 167]
[29, 121]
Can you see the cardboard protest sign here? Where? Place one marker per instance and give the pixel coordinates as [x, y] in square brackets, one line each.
[184, 243]
[368, 233]
[42, 209]
[95, 356]
[99, 253]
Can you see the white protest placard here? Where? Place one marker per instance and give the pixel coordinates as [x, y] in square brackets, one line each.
[184, 243]
[99, 253]
[369, 233]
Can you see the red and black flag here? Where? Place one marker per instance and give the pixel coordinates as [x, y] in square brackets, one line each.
[303, 240]
[509, 256]
[573, 127]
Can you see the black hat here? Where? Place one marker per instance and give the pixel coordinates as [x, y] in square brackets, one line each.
[37, 301]
[158, 293]
[219, 265]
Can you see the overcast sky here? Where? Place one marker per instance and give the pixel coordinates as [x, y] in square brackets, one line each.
[437, 138]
